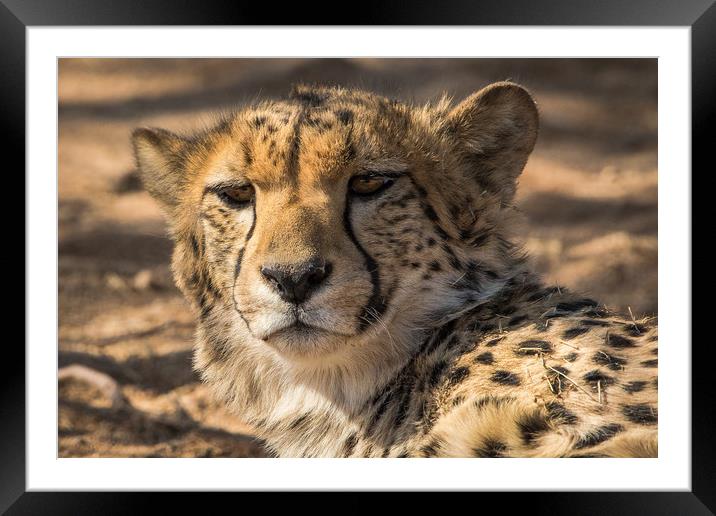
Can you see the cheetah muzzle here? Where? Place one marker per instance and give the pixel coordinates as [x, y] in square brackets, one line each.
[359, 291]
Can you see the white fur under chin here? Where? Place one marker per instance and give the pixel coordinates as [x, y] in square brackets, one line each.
[340, 375]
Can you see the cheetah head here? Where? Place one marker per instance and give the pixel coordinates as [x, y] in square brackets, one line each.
[311, 225]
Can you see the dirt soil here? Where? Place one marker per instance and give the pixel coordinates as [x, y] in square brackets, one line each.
[588, 193]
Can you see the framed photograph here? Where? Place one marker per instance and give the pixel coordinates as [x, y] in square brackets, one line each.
[309, 257]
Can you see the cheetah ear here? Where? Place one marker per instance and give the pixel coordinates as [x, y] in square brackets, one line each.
[157, 153]
[497, 129]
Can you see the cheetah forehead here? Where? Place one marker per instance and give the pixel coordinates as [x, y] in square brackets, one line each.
[317, 133]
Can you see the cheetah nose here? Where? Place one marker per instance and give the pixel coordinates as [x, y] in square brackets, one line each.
[296, 282]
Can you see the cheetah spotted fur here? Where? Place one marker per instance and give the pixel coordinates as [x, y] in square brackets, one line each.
[360, 292]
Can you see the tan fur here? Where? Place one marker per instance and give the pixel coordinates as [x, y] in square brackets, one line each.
[428, 335]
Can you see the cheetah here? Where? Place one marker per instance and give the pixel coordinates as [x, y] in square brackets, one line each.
[360, 291]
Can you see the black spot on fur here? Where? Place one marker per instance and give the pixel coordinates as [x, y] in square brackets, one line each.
[490, 448]
[485, 358]
[598, 435]
[561, 369]
[532, 426]
[517, 320]
[310, 97]
[454, 260]
[403, 403]
[593, 322]
[377, 415]
[573, 306]
[345, 116]
[430, 242]
[480, 239]
[349, 152]
[571, 357]
[505, 378]
[204, 309]
[574, 332]
[435, 266]
[248, 156]
[457, 400]
[560, 413]
[494, 342]
[598, 376]
[436, 373]
[430, 212]
[194, 244]
[640, 413]
[219, 349]
[350, 444]
[635, 386]
[431, 449]
[299, 421]
[617, 341]
[497, 401]
[596, 312]
[554, 314]
[441, 232]
[650, 363]
[530, 347]
[635, 329]
[458, 375]
[613, 362]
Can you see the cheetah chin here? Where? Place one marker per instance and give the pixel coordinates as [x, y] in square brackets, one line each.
[360, 292]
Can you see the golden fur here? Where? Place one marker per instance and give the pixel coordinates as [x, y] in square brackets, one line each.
[425, 334]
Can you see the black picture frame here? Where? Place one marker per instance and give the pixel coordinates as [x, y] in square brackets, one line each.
[17, 15]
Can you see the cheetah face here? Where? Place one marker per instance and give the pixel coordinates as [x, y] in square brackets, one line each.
[319, 221]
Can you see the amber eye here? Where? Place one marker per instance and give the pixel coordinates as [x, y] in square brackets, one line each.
[369, 184]
[237, 195]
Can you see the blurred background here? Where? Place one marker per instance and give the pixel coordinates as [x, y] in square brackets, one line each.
[126, 387]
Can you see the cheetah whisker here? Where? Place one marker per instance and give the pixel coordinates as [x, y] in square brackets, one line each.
[457, 280]
[380, 321]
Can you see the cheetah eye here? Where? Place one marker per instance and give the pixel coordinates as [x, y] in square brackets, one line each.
[369, 184]
[236, 195]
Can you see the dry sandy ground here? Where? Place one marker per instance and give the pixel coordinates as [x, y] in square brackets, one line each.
[589, 195]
